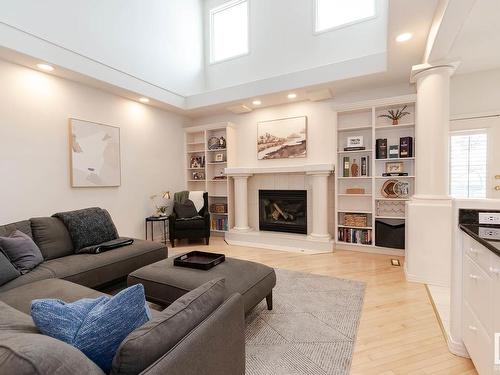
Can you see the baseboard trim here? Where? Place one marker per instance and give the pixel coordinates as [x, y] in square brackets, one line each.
[422, 280]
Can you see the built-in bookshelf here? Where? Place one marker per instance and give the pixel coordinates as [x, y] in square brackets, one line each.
[205, 164]
[365, 196]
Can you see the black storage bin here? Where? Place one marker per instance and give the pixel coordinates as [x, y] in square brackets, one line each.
[389, 234]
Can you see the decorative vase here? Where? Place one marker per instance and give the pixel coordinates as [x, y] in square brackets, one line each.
[354, 169]
[395, 122]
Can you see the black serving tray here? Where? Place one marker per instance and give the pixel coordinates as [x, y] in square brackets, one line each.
[199, 260]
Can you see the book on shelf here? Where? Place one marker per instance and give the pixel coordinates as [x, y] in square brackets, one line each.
[406, 147]
[365, 165]
[219, 223]
[381, 148]
[394, 174]
[355, 236]
[346, 164]
[355, 148]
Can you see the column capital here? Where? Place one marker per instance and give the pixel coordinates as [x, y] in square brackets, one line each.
[241, 176]
[421, 70]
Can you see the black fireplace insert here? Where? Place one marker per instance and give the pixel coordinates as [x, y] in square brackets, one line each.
[283, 211]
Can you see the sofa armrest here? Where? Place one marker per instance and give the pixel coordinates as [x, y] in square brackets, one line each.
[216, 346]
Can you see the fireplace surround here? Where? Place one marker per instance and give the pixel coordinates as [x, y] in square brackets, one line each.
[313, 178]
[283, 211]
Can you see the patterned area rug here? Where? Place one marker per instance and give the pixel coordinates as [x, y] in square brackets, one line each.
[311, 329]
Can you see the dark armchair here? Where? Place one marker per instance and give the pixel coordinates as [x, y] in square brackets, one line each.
[195, 228]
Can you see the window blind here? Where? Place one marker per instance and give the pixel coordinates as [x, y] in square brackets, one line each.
[468, 165]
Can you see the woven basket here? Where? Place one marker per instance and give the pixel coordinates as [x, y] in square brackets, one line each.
[356, 220]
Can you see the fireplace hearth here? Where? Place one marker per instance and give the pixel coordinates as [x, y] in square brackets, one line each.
[283, 211]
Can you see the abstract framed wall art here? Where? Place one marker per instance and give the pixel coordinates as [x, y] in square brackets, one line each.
[282, 139]
[94, 154]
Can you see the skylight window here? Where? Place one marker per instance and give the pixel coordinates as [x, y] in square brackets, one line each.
[229, 31]
[331, 14]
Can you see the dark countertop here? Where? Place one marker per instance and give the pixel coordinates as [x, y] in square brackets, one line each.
[476, 231]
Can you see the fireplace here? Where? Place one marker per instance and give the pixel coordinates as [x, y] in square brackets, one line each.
[283, 211]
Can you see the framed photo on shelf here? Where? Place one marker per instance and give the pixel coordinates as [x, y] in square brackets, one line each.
[197, 162]
[198, 175]
[219, 157]
[394, 167]
[356, 141]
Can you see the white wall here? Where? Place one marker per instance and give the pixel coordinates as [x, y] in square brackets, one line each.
[321, 134]
[34, 149]
[282, 41]
[160, 42]
[475, 93]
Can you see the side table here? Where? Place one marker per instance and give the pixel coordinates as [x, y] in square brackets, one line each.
[152, 220]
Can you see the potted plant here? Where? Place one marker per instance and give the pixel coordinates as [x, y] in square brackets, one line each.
[395, 115]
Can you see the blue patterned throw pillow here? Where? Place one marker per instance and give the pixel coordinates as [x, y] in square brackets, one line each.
[94, 326]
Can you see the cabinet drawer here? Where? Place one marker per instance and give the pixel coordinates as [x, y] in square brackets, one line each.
[495, 279]
[478, 292]
[477, 252]
[478, 343]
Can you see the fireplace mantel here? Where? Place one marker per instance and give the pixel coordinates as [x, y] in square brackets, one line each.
[306, 168]
[318, 238]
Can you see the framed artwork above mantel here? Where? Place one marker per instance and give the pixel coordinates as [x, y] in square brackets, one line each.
[94, 154]
[282, 139]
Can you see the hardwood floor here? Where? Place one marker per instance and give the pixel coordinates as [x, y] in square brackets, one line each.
[399, 332]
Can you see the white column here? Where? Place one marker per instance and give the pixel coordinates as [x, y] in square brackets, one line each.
[432, 132]
[429, 213]
[319, 205]
[241, 202]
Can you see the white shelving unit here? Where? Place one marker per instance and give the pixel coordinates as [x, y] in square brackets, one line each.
[362, 119]
[219, 190]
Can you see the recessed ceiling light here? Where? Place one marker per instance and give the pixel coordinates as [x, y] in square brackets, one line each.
[292, 95]
[45, 67]
[257, 102]
[144, 100]
[404, 37]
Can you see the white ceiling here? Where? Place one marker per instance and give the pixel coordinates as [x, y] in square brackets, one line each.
[404, 16]
[474, 44]
[477, 45]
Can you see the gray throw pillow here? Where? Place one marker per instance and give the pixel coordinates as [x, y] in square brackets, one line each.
[52, 237]
[152, 340]
[88, 227]
[23, 253]
[7, 271]
[185, 210]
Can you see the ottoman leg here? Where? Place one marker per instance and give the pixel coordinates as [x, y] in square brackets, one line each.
[269, 300]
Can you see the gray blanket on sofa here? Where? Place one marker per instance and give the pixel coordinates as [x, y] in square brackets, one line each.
[88, 227]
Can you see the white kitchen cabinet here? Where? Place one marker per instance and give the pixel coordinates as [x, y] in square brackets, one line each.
[481, 304]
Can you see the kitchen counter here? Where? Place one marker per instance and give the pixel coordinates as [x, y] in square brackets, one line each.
[486, 235]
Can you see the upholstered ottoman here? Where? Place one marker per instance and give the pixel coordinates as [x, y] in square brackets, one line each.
[164, 283]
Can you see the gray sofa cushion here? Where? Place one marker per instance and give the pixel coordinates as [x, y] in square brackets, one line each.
[24, 351]
[52, 237]
[89, 226]
[23, 253]
[24, 226]
[38, 273]
[96, 269]
[152, 340]
[21, 297]
[7, 271]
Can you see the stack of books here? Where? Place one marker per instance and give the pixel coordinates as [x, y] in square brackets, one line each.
[219, 223]
[359, 236]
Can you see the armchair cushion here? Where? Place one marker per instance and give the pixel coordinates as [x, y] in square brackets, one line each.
[185, 210]
[196, 223]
